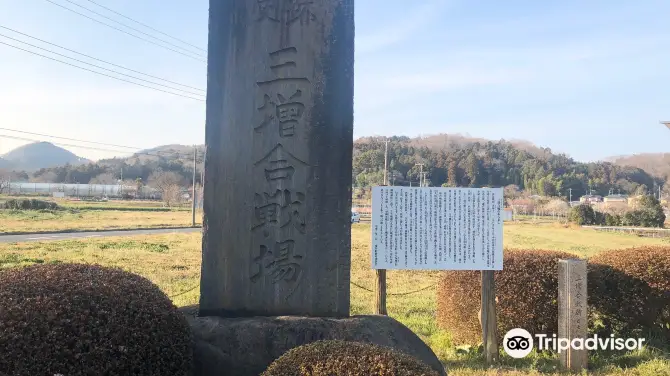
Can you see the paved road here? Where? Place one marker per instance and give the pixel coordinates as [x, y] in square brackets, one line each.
[86, 235]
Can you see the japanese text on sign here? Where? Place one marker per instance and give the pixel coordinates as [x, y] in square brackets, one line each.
[437, 228]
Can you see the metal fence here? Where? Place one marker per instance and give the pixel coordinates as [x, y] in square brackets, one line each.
[81, 190]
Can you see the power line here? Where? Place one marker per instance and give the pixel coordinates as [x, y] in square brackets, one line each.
[145, 25]
[62, 144]
[132, 28]
[99, 67]
[84, 146]
[199, 58]
[69, 139]
[102, 74]
[100, 60]
[136, 149]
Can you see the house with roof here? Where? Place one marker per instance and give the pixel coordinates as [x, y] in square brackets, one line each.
[616, 198]
[590, 199]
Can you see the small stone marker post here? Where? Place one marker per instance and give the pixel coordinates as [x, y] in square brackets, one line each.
[279, 132]
[572, 311]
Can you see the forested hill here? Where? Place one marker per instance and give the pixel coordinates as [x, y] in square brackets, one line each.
[657, 164]
[462, 162]
[450, 160]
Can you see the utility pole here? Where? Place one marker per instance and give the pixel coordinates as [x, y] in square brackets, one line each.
[386, 162]
[570, 190]
[195, 154]
[420, 174]
[202, 172]
[202, 178]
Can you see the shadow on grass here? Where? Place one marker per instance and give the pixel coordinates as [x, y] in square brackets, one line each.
[600, 362]
[475, 360]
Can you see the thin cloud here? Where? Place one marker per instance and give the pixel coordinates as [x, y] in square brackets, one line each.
[85, 96]
[455, 79]
[401, 30]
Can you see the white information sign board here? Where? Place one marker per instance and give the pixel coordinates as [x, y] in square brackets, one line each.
[437, 228]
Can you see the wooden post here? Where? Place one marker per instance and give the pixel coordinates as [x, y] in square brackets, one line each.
[488, 319]
[572, 312]
[380, 304]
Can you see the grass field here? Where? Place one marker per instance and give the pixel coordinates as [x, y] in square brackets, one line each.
[91, 216]
[73, 203]
[173, 263]
[33, 221]
[544, 234]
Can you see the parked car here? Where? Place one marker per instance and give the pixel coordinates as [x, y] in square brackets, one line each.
[355, 217]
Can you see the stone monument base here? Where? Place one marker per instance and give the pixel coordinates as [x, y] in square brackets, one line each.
[247, 346]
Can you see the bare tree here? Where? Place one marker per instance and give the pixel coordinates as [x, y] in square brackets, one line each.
[557, 207]
[616, 208]
[172, 195]
[522, 206]
[168, 184]
[511, 192]
[5, 179]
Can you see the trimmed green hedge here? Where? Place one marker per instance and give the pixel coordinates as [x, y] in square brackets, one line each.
[630, 290]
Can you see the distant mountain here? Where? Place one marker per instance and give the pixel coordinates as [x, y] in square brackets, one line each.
[451, 142]
[182, 154]
[447, 160]
[39, 155]
[174, 149]
[657, 164]
[5, 163]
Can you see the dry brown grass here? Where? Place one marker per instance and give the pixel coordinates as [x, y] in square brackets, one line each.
[30, 221]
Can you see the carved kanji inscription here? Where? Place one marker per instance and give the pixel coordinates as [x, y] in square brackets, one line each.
[284, 95]
[279, 263]
[285, 12]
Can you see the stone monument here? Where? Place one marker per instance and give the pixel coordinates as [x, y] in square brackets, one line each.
[573, 311]
[279, 135]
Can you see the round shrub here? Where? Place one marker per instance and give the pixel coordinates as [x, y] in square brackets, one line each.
[630, 288]
[326, 358]
[526, 294]
[73, 319]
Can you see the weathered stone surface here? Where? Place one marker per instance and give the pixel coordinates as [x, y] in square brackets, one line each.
[573, 311]
[279, 135]
[247, 346]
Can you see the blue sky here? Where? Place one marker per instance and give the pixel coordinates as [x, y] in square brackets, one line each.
[588, 78]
